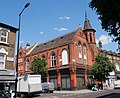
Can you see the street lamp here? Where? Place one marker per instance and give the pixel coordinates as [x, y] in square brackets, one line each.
[18, 47]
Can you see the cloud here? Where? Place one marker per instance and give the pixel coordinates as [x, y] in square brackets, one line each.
[67, 17]
[97, 41]
[41, 32]
[104, 39]
[60, 29]
[64, 17]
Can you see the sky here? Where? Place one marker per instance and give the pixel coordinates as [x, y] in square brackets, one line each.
[44, 20]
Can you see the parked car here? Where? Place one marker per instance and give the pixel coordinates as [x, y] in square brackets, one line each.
[3, 95]
[48, 87]
[117, 84]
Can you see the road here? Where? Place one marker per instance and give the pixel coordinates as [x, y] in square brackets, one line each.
[94, 94]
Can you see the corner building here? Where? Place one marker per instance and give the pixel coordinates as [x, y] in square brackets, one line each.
[7, 46]
[69, 58]
[7, 51]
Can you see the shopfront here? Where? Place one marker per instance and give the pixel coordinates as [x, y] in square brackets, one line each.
[7, 78]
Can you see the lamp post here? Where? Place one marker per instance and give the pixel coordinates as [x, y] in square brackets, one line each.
[18, 47]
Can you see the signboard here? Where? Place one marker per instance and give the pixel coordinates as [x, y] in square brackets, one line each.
[10, 59]
[7, 78]
[7, 72]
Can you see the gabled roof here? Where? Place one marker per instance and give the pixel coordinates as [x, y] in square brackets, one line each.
[28, 50]
[61, 40]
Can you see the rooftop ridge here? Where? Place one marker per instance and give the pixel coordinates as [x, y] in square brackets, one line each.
[59, 37]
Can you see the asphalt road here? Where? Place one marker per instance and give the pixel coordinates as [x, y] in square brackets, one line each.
[96, 94]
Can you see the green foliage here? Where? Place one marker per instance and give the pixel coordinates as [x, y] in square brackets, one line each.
[39, 67]
[102, 67]
[108, 12]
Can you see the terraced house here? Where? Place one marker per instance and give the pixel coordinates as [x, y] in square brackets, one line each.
[69, 57]
[7, 51]
[115, 59]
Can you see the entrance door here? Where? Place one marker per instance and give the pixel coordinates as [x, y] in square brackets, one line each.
[80, 82]
[54, 80]
[65, 83]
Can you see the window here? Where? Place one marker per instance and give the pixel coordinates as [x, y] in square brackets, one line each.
[53, 60]
[20, 54]
[117, 67]
[2, 61]
[64, 57]
[27, 65]
[85, 56]
[90, 37]
[43, 57]
[3, 54]
[20, 60]
[3, 36]
[80, 52]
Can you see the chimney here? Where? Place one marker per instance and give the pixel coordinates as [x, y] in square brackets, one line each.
[100, 44]
[27, 45]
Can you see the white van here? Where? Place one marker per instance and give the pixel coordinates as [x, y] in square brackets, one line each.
[29, 85]
[48, 87]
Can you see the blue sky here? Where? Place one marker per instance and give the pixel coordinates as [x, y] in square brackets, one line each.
[44, 20]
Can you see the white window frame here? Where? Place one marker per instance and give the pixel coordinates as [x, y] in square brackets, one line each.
[6, 37]
[80, 52]
[4, 53]
[85, 54]
[27, 65]
[43, 57]
[53, 59]
[64, 57]
[2, 60]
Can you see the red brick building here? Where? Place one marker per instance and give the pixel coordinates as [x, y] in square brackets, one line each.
[69, 57]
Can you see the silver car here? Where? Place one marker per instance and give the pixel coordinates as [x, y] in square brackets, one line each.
[48, 87]
[117, 84]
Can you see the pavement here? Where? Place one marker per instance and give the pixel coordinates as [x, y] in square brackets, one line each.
[77, 91]
[80, 91]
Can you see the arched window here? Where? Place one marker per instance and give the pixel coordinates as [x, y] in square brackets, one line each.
[53, 60]
[3, 54]
[64, 57]
[80, 52]
[90, 37]
[20, 54]
[85, 54]
[43, 57]
[27, 65]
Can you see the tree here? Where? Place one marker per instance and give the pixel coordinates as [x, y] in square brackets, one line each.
[102, 67]
[39, 66]
[108, 12]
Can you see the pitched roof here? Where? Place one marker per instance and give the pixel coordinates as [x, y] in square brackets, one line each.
[110, 52]
[11, 28]
[87, 25]
[61, 40]
[28, 50]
